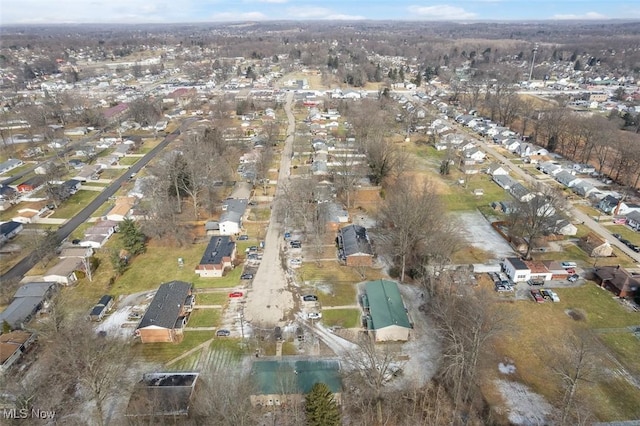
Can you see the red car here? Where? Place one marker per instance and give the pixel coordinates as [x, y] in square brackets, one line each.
[537, 296]
[235, 294]
[571, 271]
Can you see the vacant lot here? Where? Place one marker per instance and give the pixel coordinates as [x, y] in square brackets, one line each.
[74, 204]
[346, 318]
[205, 318]
[165, 352]
[541, 330]
[212, 298]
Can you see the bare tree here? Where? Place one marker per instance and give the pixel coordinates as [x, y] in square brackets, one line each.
[537, 216]
[413, 222]
[346, 173]
[263, 165]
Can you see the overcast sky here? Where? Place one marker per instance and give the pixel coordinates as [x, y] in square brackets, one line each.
[141, 11]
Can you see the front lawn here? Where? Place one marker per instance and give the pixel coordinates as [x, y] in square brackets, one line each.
[165, 352]
[219, 298]
[74, 204]
[204, 317]
[346, 318]
[625, 232]
[335, 294]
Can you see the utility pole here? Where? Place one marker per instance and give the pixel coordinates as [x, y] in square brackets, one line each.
[535, 50]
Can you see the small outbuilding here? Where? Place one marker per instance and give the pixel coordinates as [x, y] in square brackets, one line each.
[101, 308]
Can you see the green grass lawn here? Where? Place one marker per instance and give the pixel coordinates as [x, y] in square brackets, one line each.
[626, 346]
[461, 198]
[626, 232]
[219, 298]
[204, 318]
[160, 264]
[111, 173]
[335, 294]
[164, 352]
[74, 204]
[589, 210]
[259, 214]
[347, 318]
[128, 161]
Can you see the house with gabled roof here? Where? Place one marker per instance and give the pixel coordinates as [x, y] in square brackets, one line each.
[520, 192]
[496, 169]
[161, 395]
[218, 256]
[167, 314]
[66, 271]
[633, 220]
[9, 230]
[233, 210]
[584, 189]
[12, 346]
[384, 312]
[354, 247]
[27, 301]
[617, 280]
[504, 181]
[567, 179]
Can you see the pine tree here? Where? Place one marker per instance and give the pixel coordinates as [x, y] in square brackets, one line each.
[133, 240]
[320, 407]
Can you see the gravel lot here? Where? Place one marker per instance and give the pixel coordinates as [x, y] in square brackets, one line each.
[478, 232]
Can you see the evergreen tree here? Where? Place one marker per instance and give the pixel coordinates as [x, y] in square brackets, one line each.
[133, 240]
[320, 407]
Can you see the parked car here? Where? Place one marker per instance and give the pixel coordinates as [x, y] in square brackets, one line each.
[75, 242]
[246, 276]
[243, 237]
[535, 282]
[537, 296]
[295, 244]
[571, 271]
[310, 298]
[545, 293]
[618, 236]
[314, 315]
[223, 333]
[569, 264]
[635, 248]
[295, 261]
[287, 235]
[573, 278]
[235, 294]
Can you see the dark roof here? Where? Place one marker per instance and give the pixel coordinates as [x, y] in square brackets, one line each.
[505, 181]
[385, 305]
[162, 394]
[26, 302]
[217, 249]
[610, 200]
[166, 306]
[105, 300]
[71, 183]
[518, 191]
[8, 227]
[517, 263]
[353, 239]
[34, 181]
[298, 376]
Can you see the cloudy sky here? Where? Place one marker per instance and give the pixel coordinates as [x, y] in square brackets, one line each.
[134, 11]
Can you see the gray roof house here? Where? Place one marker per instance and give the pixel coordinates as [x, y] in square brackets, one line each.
[567, 179]
[167, 313]
[8, 230]
[520, 192]
[504, 181]
[354, 246]
[231, 219]
[584, 189]
[549, 168]
[633, 220]
[27, 301]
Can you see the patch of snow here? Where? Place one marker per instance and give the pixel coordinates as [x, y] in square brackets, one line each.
[117, 324]
[525, 406]
[480, 234]
[505, 368]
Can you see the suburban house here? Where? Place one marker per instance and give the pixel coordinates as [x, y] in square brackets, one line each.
[219, 255]
[167, 314]
[71, 186]
[27, 301]
[65, 271]
[624, 208]
[31, 214]
[12, 346]
[230, 222]
[98, 235]
[567, 179]
[354, 247]
[549, 168]
[618, 280]
[496, 169]
[31, 184]
[88, 172]
[516, 269]
[335, 215]
[101, 308]
[8, 230]
[595, 246]
[633, 220]
[608, 204]
[10, 164]
[584, 189]
[161, 394]
[120, 210]
[504, 181]
[556, 269]
[76, 251]
[520, 192]
[286, 381]
[384, 312]
[564, 227]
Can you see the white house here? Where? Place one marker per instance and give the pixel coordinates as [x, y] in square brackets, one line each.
[496, 169]
[65, 271]
[230, 222]
[516, 269]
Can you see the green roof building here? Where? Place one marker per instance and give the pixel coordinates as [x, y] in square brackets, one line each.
[386, 316]
[279, 382]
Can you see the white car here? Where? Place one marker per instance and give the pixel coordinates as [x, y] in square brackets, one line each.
[295, 261]
[314, 315]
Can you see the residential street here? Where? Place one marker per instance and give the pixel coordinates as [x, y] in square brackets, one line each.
[269, 300]
[577, 214]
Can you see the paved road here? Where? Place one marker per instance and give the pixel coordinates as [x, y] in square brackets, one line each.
[22, 267]
[269, 301]
[577, 214]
